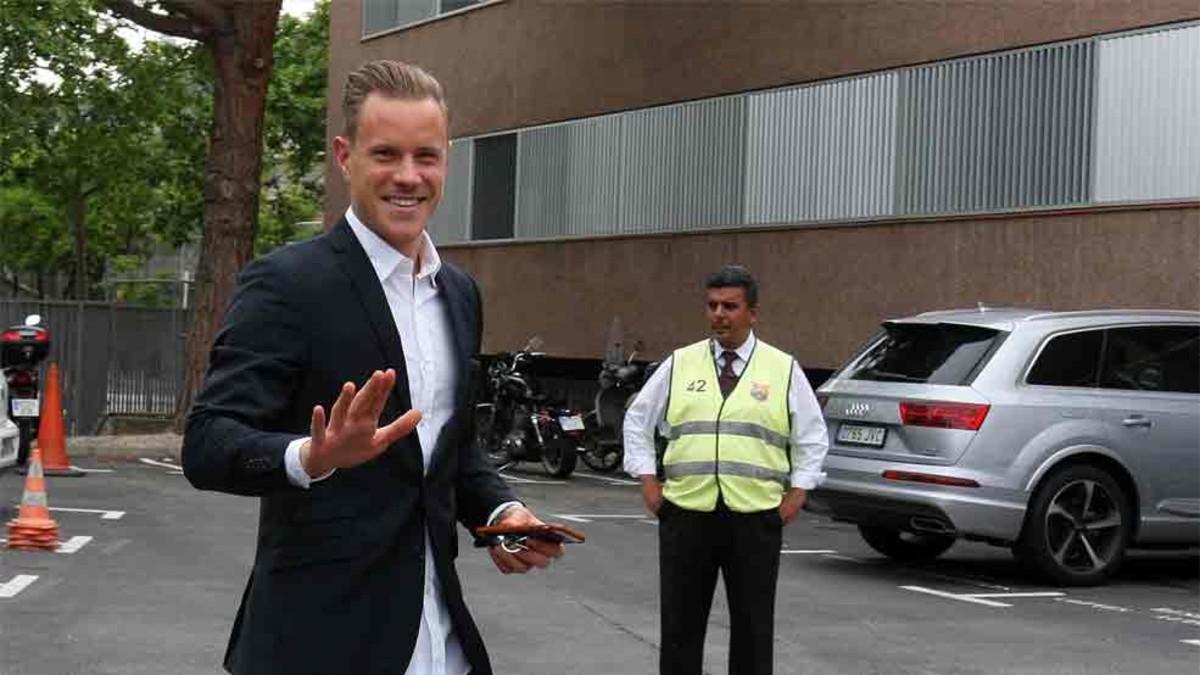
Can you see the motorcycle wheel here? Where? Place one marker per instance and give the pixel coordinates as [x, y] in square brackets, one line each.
[600, 457]
[558, 456]
[486, 440]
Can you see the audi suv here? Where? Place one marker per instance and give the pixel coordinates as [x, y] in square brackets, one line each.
[1066, 436]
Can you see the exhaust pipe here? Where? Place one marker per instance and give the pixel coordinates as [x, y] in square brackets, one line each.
[930, 525]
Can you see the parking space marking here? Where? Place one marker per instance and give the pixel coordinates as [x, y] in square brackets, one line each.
[836, 556]
[606, 479]
[105, 514]
[589, 517]
[984, 598]
[1194, 643]
[175, 471]
[73, 544]
[10, 588]
[515, 479]
[955, 596]
[80, 468]
[808, 552]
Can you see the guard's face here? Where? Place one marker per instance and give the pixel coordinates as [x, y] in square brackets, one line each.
[396, 166]
[729, 317]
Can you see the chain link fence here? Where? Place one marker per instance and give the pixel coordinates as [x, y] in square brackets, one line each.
[114, 359]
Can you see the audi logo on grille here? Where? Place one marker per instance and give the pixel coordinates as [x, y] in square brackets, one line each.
[857, 409]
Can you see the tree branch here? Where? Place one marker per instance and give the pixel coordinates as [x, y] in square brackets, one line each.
[162, 23]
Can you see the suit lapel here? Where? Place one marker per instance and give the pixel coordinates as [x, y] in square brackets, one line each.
[357, 267]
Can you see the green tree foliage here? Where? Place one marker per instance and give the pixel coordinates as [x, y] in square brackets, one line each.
[102, 146]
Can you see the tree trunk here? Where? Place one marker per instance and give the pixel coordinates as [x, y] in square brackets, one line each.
[242, 59]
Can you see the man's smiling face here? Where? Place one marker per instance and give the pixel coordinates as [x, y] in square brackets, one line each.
[396, 165]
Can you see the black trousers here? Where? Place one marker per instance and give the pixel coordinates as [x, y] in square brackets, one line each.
[692, 547]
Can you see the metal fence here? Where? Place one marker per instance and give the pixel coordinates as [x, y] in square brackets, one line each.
[114, 360]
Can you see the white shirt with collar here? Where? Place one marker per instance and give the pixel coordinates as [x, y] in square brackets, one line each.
[808, 441]
[419, 312]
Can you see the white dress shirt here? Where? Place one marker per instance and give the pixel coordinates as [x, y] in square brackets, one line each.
[808, 440]
[424, 328]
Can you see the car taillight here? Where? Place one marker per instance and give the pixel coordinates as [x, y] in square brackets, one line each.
[967, 416]
[10, 336]
[932, 478]
[41, 336]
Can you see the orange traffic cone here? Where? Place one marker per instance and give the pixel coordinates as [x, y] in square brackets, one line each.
[51, 438]
[33, 529]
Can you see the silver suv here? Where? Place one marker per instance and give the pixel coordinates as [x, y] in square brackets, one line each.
[1068, 436]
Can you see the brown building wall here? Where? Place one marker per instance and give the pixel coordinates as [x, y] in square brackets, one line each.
[523, 62]
[824, 290]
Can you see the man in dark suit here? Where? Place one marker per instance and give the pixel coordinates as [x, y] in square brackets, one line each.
[354, 567]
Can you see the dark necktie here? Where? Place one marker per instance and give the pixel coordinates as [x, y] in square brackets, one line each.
[727, 378]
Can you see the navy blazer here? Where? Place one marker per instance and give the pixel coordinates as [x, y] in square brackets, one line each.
[337, 582]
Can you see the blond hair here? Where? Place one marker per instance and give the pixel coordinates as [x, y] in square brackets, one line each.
[394, 79]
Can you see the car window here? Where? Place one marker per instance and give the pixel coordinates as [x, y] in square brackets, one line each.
[939, 353]
[1152, 358]
[1069, 360]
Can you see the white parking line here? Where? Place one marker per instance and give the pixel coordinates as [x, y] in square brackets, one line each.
[1194, 643]
[606, 479]
[984, 598]
[105, 513]
[515, 479]
[155, 462]
[80, 468]
[10, 588]
[73, 544]
[955, 596]
[808, 552]
[589, 517]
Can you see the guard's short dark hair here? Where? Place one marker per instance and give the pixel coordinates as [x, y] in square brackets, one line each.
[731, 276]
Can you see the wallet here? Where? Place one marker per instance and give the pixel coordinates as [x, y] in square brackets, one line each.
[554, 532]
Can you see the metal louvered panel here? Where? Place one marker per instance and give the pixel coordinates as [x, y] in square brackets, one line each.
[569, 179]
[685, 166]
[543, 189]
[1148, 116]
[823, 152]
[1002, 131]
[452, 219]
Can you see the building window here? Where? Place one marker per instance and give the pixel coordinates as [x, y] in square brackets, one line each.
[381, 15]
[494, 184]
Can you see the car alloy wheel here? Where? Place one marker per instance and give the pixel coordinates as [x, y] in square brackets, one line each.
[1078, 527]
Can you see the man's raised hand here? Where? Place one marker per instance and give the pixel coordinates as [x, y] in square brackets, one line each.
[353, 435]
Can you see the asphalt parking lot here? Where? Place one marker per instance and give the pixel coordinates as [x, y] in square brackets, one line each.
[151, 571]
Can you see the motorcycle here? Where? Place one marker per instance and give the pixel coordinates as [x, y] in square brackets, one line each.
[518, 423]
[22, 349]
[619, 383]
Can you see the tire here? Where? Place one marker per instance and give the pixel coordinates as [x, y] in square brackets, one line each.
[485, 437]
[1077, 527]
[600, 457]
[558, 457]
[905, 546]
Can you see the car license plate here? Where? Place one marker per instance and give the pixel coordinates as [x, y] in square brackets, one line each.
[25, 407]
[571, 423]
[856, 434]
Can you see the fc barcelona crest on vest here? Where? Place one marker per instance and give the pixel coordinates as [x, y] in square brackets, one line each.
[760, 391]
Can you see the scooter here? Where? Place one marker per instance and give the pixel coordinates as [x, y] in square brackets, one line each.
[22, 349]
[619, 383]
[518, 423]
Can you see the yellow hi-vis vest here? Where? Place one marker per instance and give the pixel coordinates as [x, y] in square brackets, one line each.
[736, 447]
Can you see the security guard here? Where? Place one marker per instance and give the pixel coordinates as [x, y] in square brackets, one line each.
[746, 440]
